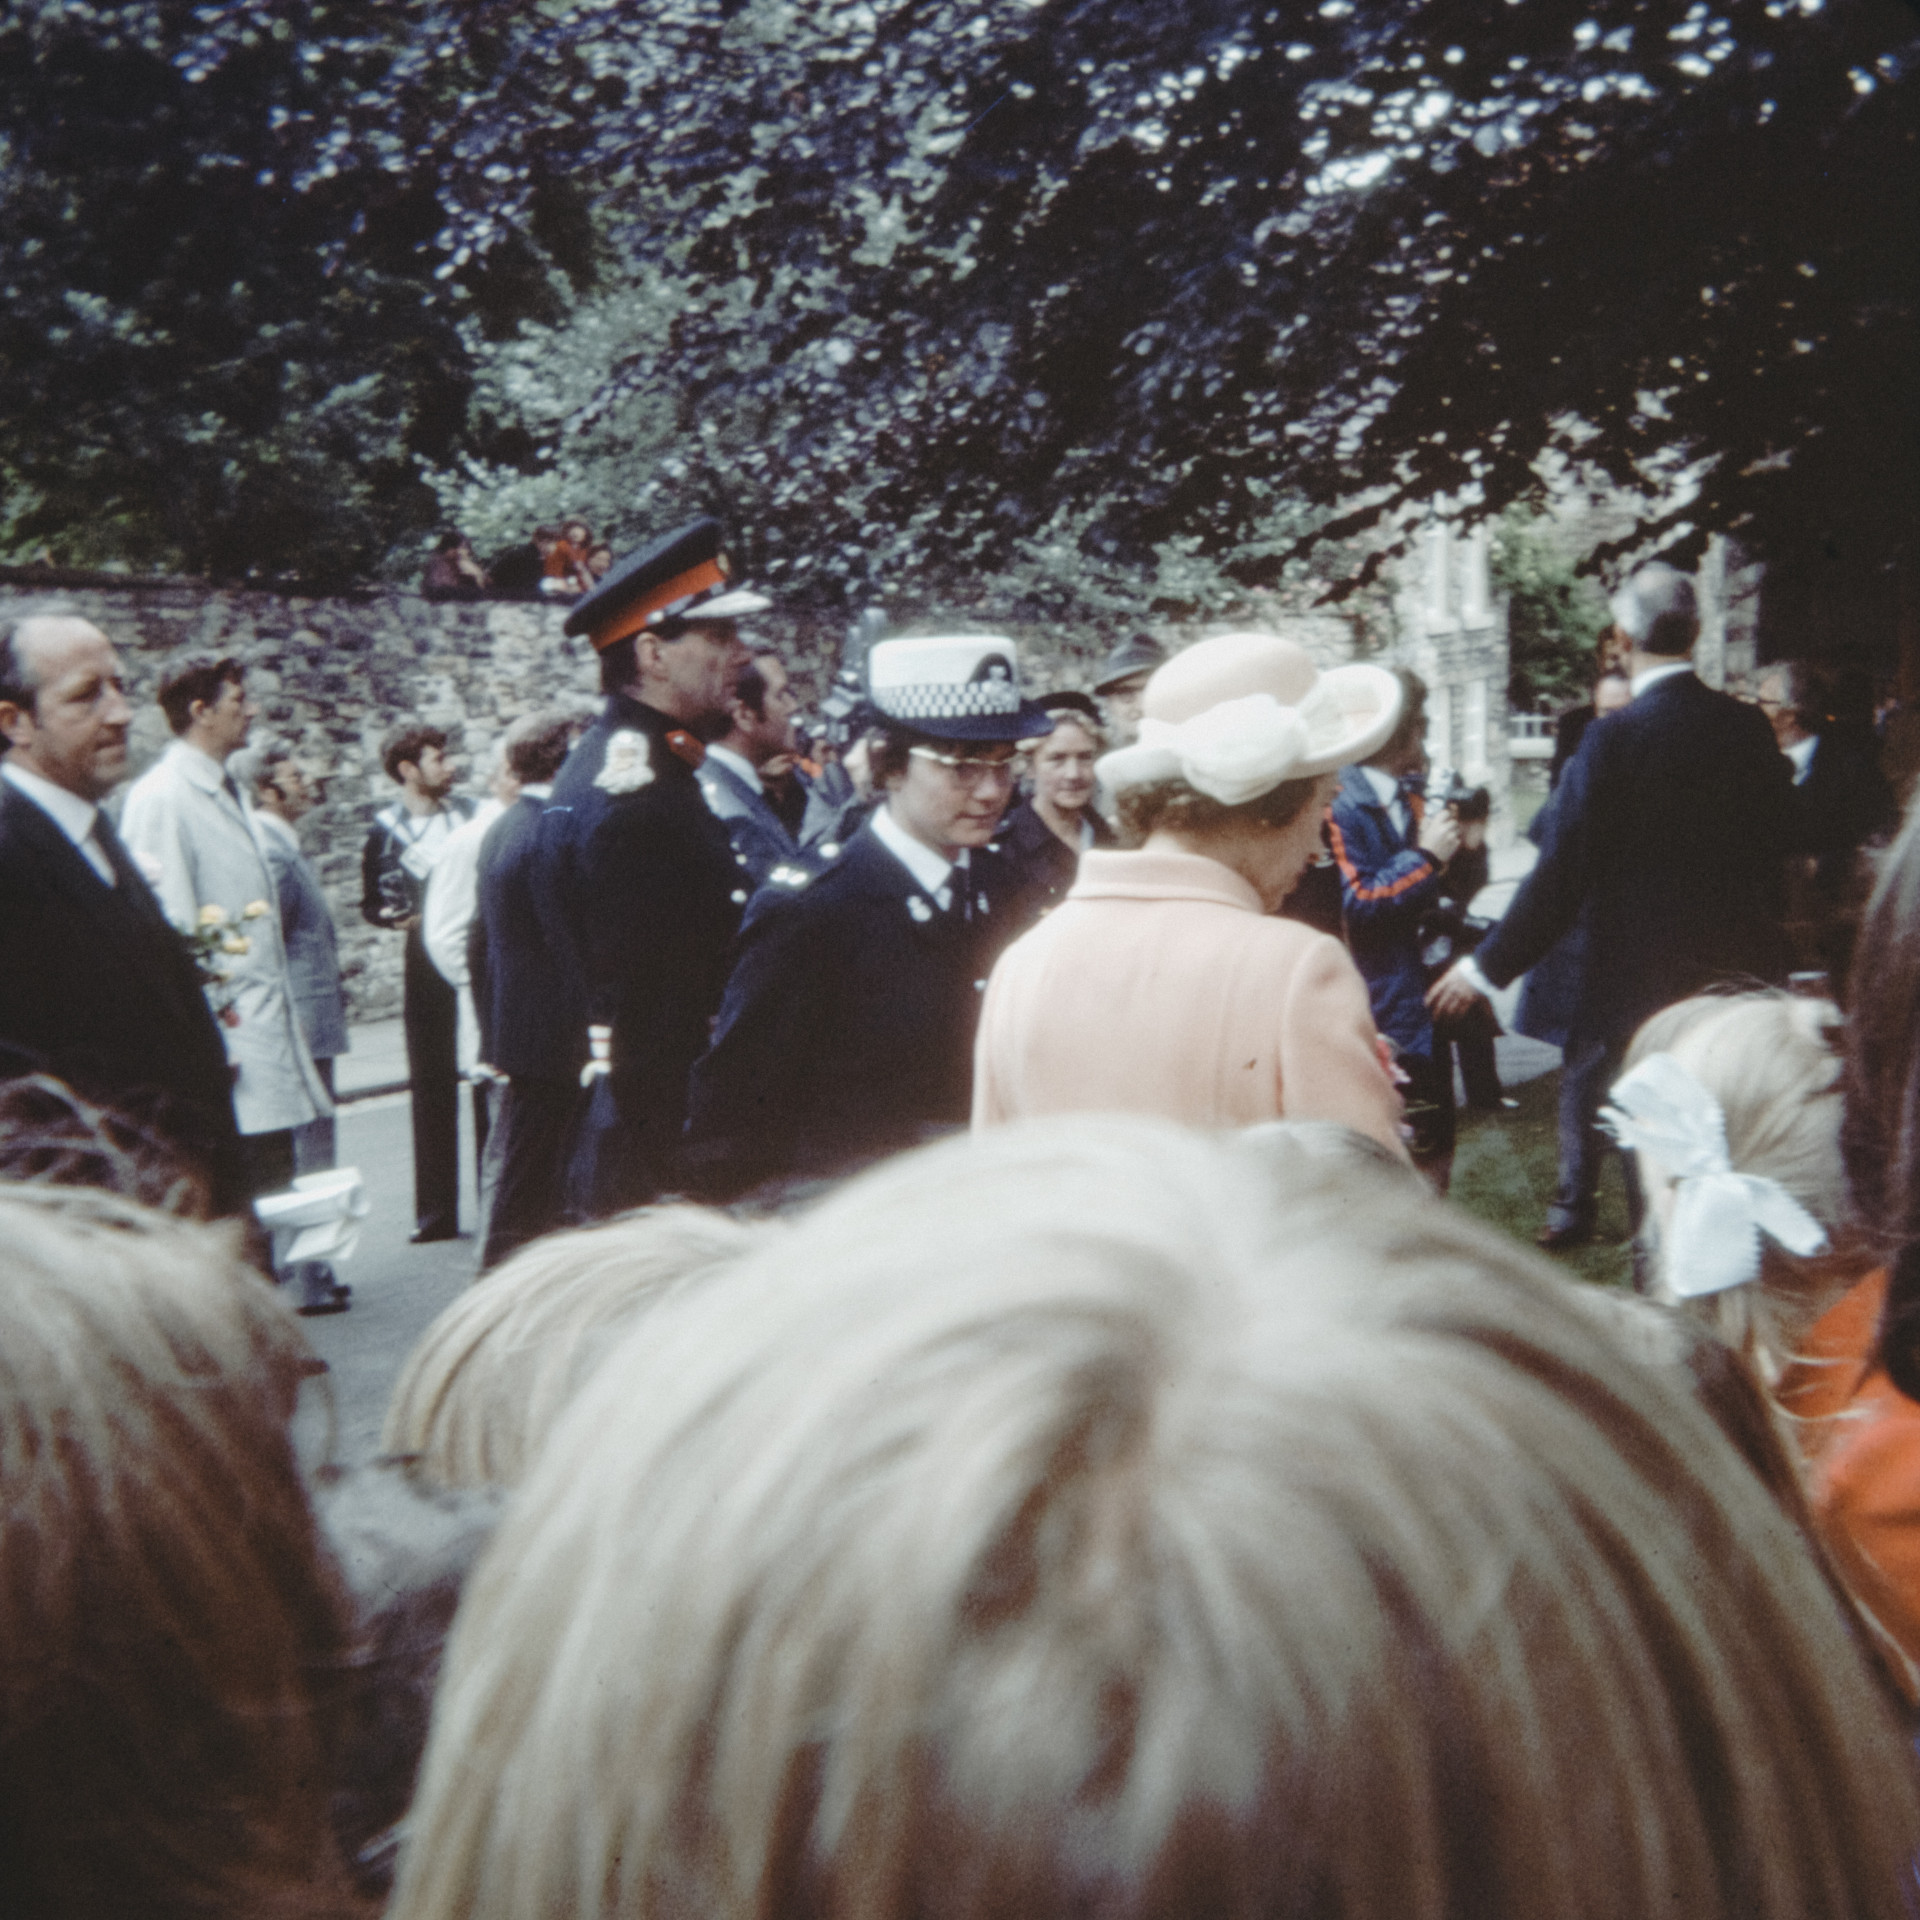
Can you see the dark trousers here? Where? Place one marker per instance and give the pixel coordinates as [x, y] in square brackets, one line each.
[1588, 1067]
[1472, 1037]
[532, 1136]
[431, 1015]
[316, 1144]
[1430, 1111]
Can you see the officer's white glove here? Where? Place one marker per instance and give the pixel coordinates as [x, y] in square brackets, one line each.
[600, 1051]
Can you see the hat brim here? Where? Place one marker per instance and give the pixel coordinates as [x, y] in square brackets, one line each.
[1143, 671]
[735, 604]
[1350, 712]
[1365, 704]
[1032, 722]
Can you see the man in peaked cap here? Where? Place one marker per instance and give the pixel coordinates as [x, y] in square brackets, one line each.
[636, 877]
[847, 1028]
[1122, 684]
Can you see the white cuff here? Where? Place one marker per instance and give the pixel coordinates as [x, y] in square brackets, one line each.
[1469, 970]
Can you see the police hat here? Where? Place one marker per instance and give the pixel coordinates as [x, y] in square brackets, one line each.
[683, 577]
[1138, 654]
[953, 687]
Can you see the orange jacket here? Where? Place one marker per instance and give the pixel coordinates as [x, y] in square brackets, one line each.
[1860, 1438]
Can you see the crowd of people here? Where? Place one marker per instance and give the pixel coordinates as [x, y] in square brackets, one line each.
[975, 1399]
[560, 563]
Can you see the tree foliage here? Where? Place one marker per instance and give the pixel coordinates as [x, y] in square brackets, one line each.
[229, 337]
[953, 275]
[960, 283]
[1555, 614]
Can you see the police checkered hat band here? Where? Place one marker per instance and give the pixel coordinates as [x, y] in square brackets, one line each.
[969, 683]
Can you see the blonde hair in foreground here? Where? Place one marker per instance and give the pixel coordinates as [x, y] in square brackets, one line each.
[1766, 1059]
[1092, 1519]
[488, 1379]
[170, 1631]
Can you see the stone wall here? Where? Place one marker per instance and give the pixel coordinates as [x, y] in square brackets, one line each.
[336, 675]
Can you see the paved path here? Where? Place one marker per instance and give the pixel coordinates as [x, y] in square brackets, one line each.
[397, 1289]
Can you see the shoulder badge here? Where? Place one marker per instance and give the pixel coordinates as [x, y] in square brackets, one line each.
[629, 763]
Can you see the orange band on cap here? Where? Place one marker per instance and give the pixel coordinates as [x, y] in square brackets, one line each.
[631, 618]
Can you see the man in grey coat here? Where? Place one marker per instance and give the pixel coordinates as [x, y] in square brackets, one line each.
[186, 823]
[282, 793]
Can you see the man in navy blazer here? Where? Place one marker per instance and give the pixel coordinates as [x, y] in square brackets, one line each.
[96, 987]
[527, 1001]
[760, 731]
[1665, 844]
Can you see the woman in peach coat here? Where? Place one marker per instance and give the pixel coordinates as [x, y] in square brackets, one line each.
[1163, 983]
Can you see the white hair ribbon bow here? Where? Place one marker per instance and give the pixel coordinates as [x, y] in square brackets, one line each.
[1659, 1109]
[1236, 751]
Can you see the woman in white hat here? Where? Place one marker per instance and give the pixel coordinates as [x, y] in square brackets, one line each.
[1164, 983]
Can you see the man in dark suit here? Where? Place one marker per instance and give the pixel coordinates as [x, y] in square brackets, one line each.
[95, 986]
[759, 734]
[1665, 844]
[1842, 801]
[637, 882]
[533, 1025]
[848, 1025]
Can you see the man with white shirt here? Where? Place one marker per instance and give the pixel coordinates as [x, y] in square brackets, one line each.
[760, 730]
[407, 838]
[95, 986]
[1665, 843]
[186, 823]
[847, 1028]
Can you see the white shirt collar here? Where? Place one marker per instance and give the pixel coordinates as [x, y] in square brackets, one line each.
[1801, 754]
[71, 814]
[1386, 789]
[931, 869]
[201, 768]
[1649, 676]
[537, 790]
[737, 763]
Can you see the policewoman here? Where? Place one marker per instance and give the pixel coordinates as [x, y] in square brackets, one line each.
[636, 879]
[847, 1029]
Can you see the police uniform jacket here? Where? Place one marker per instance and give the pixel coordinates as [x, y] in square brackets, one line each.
[1386, 888]
[848, 1026]
[532, 1018]
[1664, 843]
[762, 846]
[640, 896]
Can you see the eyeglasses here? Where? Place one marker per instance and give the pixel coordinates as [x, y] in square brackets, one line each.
[972, 768]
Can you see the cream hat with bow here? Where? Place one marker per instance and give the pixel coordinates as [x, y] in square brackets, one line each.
[1238, 714]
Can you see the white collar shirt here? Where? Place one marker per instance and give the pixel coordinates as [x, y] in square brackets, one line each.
[932, 870]
[1801, 754]
[738, 765]
[1652, 676]
[1386, 789]
[72, 815]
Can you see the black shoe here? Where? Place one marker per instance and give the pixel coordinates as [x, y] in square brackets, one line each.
[427, 1235]
[338, 1301]
[1576, 1233]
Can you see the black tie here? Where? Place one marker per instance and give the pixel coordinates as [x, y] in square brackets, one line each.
[126, 875]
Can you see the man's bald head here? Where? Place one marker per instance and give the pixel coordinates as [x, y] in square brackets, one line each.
[63, 708]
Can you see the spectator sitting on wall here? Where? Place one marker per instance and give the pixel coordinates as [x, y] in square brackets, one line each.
[453, 573]
[563, 559]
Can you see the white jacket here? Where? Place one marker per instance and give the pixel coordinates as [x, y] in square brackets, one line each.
[200, 848]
